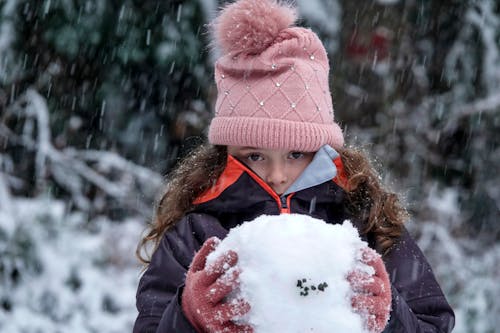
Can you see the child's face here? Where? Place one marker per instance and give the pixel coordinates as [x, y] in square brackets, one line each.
[278, 168]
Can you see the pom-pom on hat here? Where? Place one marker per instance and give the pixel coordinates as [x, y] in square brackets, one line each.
[272, 81]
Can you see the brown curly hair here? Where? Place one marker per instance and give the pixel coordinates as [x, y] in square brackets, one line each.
[368, 200]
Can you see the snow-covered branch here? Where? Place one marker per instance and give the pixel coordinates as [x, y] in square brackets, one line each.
[487, 22]
[6, 208]
[118, 178]
[489, 104]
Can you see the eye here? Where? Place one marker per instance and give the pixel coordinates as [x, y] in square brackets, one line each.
[295, 155]
[254, 157]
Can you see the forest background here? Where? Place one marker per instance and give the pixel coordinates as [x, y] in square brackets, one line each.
[99, 99]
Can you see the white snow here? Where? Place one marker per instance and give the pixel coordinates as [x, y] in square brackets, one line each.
[62, 252]
[279, 256]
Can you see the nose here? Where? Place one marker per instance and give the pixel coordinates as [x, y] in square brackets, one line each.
[277, 175]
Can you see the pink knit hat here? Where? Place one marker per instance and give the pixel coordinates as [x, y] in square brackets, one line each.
[272, 81]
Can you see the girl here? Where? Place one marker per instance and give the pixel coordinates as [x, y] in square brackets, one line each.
[274, 148]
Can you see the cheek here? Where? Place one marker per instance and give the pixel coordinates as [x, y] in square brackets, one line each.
[259, 169]
[297, 168]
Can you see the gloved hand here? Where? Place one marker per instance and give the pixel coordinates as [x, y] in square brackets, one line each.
[372, 293]
[203, 300]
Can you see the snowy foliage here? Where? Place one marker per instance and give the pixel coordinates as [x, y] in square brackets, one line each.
[114, 176]
[60, 272]
[468, 270]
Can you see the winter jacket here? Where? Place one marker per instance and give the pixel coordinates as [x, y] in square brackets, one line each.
[239, 195]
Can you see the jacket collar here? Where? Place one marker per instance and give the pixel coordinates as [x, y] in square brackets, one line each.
[320, 170]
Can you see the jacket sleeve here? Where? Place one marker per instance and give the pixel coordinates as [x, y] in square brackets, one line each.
[418, 303]
[160, 288]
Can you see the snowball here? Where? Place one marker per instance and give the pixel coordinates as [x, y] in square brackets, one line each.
[293, 273]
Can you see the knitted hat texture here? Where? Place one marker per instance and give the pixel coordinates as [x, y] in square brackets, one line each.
[272, 81]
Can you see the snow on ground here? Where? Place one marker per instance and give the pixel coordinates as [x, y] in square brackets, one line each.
[70, 277]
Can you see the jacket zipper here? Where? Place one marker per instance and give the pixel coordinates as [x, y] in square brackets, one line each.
[285, 203]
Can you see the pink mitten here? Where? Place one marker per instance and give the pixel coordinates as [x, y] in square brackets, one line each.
[203, 300]
[372, 293]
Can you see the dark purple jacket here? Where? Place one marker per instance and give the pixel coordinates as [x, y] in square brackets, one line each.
[418, 304]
